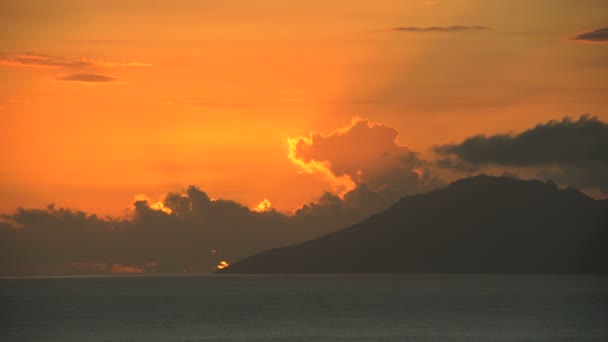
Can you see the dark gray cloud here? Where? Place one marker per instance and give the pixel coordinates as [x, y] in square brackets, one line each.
[90, 78]
[575, 152]
[554, 142]
[596, 36]
[331, 210]
[455, 28]
[192, 233]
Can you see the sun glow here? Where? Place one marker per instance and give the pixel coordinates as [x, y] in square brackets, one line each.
[161, 207]
[342, 184]
[263, 206]
[158, 205]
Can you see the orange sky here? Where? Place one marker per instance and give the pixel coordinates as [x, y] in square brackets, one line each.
[207, 92]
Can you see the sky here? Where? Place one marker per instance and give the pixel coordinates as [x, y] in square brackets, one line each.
[174, 136]
[102, 101]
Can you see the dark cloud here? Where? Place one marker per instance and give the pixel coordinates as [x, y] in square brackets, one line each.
[39, 60]
[596, 36]
[553, 142]
[456, 28]
[573, 151]
[331, 210]
[192, 233]
[91, 78]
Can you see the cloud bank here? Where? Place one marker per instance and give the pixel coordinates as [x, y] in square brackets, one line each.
[573, 152]
[185, 232]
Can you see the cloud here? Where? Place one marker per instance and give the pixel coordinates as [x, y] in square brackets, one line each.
[363, 153]
[596, 36]
[186, 231]
[19, 101]
[455, 28]
[89, 78]
[47, 61]
[332, 210]
[573, 151]
[555, 141]
[63, 241]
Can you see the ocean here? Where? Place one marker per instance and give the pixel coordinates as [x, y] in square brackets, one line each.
[306, 308]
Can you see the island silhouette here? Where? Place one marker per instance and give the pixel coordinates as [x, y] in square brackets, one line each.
[482, 224]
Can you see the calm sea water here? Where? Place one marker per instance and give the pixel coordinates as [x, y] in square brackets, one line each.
[306, 308]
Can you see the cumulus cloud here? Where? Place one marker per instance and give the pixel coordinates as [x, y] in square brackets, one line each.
[574, 152]
[89, 78]
[595, 36]
[455, 28]
[33, 60]
[363, 153]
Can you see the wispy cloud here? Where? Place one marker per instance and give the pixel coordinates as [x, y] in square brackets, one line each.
[455, 28]
[14, 100]
[33, 60]
[209, 104]
[596, 36]
[90, 78]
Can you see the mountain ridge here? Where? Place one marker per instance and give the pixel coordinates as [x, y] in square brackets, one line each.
[482, 224]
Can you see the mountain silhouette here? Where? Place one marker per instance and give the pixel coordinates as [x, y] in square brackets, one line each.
[481, 224]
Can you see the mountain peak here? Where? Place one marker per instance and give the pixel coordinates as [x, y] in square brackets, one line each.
[481, 224]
